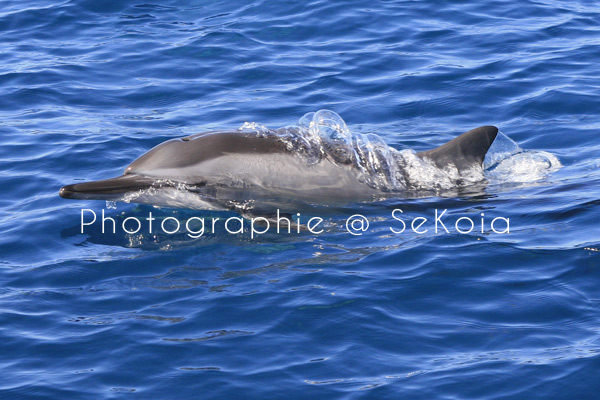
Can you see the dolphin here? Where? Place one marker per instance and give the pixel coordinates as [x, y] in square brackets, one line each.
[225, 167]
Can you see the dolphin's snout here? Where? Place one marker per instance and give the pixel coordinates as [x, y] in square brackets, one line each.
[65, 192]
[106, 189]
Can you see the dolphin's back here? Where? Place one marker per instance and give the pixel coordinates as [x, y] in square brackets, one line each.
[202, 147]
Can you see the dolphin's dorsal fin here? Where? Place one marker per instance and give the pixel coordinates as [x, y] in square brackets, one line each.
[464, 151]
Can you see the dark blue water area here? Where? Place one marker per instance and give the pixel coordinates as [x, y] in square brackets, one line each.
[87, 86]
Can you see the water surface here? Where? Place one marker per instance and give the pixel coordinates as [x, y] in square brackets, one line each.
[88, 86]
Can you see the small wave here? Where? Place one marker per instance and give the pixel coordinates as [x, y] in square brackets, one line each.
[506, 162]
[527, 166]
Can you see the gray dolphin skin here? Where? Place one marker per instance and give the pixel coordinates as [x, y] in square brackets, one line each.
[229, 166]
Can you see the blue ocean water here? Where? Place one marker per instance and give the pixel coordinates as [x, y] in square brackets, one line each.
[87, 86]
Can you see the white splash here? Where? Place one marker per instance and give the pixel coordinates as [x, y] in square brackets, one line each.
[506, 162]
[324, 134]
